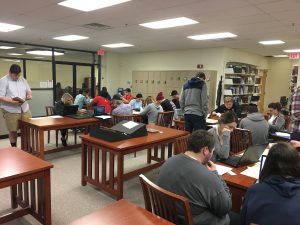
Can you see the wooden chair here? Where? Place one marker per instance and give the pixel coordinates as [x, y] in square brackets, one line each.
[165, 119]
[240, 140]
[50, 112]
[118, 118]
[181, 144]
[164, 203]
[179, 124]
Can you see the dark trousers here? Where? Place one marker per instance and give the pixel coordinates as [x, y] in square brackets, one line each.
[295, 136]
[194, 122]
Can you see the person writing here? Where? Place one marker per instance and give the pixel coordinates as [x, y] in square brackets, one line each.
[221, 135]
[275, 199]
[276, 120]
[229, 105]
[193, 175]
[13, 85]
[127, 97]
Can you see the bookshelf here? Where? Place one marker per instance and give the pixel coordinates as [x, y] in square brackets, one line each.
[243, 82]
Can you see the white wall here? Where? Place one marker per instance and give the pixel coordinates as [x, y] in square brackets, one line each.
[278, 79]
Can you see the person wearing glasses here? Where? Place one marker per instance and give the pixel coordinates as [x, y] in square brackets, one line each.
[14, 86]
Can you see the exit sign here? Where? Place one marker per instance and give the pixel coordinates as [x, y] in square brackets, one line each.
[294, 55]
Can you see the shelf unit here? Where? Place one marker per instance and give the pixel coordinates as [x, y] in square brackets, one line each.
[243, 82]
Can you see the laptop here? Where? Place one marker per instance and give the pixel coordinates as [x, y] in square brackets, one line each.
[99, 110]
[251, 155]
[70, 110]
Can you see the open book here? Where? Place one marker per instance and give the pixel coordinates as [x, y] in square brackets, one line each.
[21, 100]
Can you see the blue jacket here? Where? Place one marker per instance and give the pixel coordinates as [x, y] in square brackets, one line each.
[275, 201]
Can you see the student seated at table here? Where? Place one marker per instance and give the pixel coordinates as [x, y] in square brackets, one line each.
[127, 97]
[193, 175]
[120, 107]
[256, 123]
[166, 104]
[229, 105]
[221, 134]
[276, 119]
[82, 99]
[152, 110]
[175, 98]
[102, 100]
[148, 101]
[137, 103]
[275, 199]
[66, 99]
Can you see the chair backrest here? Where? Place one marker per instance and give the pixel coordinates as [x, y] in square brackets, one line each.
[118, 118]
[165, 119]
[164, 203]
[49, 110]
[240, 140]
[180, 145]
[179, 124]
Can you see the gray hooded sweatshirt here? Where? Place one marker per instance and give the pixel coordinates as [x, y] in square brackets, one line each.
[259, 127]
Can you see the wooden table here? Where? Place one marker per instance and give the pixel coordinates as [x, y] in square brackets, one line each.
[32, 132]
[238, 185]
[29, 179]
[98, 158]
[121, 212]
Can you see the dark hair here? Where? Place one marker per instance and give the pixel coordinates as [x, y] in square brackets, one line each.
[275, 105]
[228, 117]
[14, 68]
[200, 139]
[282, 160]
[139, 95]
[103, 94]
[128, 89]
[116, 97]
[174, 92]
[85, 90]
[252, 108]
[104, 89]
[201, 75]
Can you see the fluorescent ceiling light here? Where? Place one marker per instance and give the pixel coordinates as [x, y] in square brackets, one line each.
[175, 22]
[6, 47]
[14, 54]
[70, 38]
[280, 56]
[90, 5]
[6, 27]
[117, 45]
[292, 50]
[11, 60]
[44, 52]
[212, 36]
[272, 42]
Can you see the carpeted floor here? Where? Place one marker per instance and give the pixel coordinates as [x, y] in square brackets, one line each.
[69, 199]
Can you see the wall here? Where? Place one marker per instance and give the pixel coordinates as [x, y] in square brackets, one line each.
[278, 79]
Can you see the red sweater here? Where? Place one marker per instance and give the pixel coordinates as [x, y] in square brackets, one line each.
[98, 100]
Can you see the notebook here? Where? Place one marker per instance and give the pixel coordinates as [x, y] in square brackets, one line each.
[251, 155]
[70, 110]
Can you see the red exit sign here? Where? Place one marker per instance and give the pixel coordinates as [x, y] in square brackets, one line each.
[294, 55]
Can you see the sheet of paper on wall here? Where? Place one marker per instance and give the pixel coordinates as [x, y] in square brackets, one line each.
[223, 169]
[43, 84]
[50, 83]
[130, 124]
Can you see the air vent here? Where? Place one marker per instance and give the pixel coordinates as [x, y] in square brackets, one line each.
[97, 26]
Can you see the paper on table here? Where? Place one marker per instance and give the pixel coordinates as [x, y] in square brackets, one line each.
[104, 117]
[211, 121]
[135, 112]
[222, 169]
[37, 118]
[56, 116]
[252, 171]
[130, 124]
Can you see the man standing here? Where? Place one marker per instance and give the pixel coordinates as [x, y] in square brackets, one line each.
[13, 85]
[193, 102]
[194, 176]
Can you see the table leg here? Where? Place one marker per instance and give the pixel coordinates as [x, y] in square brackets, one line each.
[13, 195]
[47, 198]
[41, 144]
[120, 176]
[83, 163]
